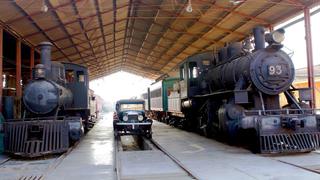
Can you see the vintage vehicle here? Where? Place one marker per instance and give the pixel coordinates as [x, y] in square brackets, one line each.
[236, 92]
[130, 118]
[56, 109]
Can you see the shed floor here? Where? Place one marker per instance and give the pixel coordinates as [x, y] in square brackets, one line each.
[208, 159]
[205, 158]
[92, 159]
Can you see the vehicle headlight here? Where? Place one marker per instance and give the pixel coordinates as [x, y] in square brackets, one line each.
[140, 118]
[125, 118]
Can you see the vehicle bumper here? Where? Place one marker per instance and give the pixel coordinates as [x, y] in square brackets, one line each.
[132, 128]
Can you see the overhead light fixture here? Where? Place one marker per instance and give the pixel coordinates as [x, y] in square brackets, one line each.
[44, 7]
[189, 7]
[236, 2]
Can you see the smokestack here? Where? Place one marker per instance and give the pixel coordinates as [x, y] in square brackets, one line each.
[45, 48]
[259, 40]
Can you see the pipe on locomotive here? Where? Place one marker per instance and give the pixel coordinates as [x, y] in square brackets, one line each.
[45, 51]
[259, 37]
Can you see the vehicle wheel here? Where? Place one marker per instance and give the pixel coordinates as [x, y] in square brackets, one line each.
[149, 135]
[115, 133]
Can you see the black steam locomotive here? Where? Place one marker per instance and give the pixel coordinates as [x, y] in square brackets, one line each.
[236, 93]
[56, 109]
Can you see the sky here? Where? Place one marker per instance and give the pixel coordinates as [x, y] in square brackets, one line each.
[125, 85]
[120, 85]
[295, 41]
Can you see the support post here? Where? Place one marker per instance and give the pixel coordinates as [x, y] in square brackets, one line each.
[18, 68]
[311, 82]
[31, 61]
[1, 66]
[17, 108]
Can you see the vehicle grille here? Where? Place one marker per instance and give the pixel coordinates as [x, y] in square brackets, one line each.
[133, 117]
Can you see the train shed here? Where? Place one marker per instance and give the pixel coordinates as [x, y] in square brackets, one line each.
[151, 38]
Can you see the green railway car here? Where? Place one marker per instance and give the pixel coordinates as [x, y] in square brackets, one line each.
[159, 93]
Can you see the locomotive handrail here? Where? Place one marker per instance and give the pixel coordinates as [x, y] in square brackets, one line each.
[281, 112]
[214, 94]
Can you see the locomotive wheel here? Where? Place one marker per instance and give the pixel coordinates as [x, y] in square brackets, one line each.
[204, 125]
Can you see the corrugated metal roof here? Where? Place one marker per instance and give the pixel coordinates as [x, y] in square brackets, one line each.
[145, 37]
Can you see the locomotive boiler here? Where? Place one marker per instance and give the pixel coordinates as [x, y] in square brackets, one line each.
[45, 94]
[56, 105]
[238, 93]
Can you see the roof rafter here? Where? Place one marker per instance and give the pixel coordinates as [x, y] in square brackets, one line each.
[39, 29]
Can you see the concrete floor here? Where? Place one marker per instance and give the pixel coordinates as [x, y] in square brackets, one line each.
[209, 159]
[92, 159]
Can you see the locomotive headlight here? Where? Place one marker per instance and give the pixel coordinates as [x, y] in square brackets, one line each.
[40, 71]
[140, 118]
[125, 118]
[276, 37]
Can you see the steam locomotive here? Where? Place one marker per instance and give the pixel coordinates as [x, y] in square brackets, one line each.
[56, 109]
[236, 93]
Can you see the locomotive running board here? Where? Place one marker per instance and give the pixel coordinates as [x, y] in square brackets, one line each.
[288, 143]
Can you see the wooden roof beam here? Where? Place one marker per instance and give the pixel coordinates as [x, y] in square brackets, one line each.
[114, 3]
[188, 45]
[207, 33]
[96, 3]
[74, 21]
[201, 22]
[74, 5]
[63, 28]
[39, 29]
[92, 39]
[149, 55]
[131, 29]
[86, 49]
[129, 11]
[39, 12]
[92, 29]
[244, 23]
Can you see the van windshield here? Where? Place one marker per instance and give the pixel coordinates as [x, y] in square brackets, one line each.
[135, 107]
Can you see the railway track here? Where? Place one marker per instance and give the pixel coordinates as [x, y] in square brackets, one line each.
[148, 146]
[120, 150]
[31, 169]
[172, 158]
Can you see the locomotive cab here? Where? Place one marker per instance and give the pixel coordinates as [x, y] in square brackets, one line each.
[192, 73]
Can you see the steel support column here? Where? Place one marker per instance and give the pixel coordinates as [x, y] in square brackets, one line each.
[18, 68]
[1, 65]
[311, 82]
[31, 61]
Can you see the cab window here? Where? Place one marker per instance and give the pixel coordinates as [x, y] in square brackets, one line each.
[182, 75]
[80, 76]
[193, 70]
[70, 76]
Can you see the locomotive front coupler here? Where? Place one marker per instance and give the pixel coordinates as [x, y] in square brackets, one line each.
[292, 122]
